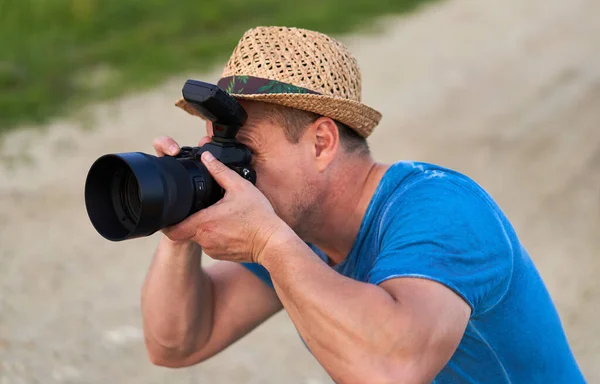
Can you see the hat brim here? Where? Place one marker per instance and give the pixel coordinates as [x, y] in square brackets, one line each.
[360, 117]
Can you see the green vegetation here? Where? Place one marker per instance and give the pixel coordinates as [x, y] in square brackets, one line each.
[59, 54]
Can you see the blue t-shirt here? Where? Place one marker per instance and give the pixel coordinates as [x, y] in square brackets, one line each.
[434, 223]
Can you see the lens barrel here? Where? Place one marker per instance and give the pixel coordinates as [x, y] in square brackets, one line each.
[131, 195]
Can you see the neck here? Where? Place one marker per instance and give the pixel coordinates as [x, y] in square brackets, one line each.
[353, 184]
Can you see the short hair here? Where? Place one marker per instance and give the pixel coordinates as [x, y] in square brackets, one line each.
[296, 121]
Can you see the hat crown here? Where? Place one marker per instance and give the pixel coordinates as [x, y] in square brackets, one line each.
[300, 57]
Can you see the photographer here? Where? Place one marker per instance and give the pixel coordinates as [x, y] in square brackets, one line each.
[402, 273]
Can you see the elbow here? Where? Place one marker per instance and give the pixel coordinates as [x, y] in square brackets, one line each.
[171, 348]
[166, 358]
[171, 357]
[161, 359]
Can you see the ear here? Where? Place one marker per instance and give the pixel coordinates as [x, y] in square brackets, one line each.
[326, 141]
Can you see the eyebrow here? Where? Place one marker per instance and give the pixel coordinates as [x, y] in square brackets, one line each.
[245, 141]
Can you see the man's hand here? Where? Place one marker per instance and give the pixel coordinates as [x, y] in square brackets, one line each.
[165, 145]
[238, 226]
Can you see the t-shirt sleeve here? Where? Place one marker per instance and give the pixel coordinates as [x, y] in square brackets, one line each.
[260, 272]
[446, 231]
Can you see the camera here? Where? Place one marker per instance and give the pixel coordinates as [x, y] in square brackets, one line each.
[134, 194]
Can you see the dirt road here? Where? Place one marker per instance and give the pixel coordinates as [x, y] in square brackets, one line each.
[505, 91]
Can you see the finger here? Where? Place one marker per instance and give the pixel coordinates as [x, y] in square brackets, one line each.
[209, 128]
[226, 177]
[165, 145]
[190, 227]
[204, 140]
[181, 231]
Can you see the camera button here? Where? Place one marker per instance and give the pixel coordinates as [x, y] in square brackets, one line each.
[199, 184]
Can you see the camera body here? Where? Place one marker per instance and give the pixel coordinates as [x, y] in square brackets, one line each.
[236, 157]
[133, 194]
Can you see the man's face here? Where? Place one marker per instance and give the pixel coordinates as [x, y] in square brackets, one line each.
[285, 172]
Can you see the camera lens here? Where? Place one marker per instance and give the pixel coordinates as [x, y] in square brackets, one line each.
[128, 191]
[133, 194]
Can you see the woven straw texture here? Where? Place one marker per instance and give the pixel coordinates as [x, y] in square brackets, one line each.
[305, 59]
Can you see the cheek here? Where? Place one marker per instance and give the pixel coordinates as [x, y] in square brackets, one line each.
[270, 177]
[278, 178]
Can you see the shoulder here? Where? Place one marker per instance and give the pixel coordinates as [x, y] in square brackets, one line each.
[439, 224]
[411, 174]
[412, 177]
[439, 210]
[417, 188]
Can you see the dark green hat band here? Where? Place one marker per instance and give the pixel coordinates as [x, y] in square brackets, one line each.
[250, 85]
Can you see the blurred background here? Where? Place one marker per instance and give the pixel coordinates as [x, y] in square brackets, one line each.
[507, 92]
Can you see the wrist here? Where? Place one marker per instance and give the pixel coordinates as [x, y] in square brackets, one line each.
[179, 245]
[279, 238]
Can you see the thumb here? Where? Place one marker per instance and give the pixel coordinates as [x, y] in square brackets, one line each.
[204, 140]
[225, 176]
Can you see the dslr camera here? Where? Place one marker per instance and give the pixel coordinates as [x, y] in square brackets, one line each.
[134, 194]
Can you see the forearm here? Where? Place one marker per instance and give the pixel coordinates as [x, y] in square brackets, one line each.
[344, 322]
[176, 300]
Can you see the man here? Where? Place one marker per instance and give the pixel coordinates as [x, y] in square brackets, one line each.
[403, 273]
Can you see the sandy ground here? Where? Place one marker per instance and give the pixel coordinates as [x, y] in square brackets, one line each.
[505, 91]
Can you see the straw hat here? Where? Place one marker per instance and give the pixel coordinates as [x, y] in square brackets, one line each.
[300, 69]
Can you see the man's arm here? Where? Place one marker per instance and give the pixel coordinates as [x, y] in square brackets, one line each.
[403, 331]
[191, 313]
[359, 332]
